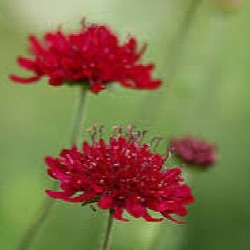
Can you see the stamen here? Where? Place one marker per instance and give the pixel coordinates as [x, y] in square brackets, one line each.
[134, 136]
[129, 130]
[83, 22]
[168, 155]
[101, 129]
[142, 135]
[117, 129]
[157, 141]
[93, 132]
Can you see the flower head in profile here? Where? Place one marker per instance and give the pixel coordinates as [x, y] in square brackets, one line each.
[121, 174]
[92, 57]
[194, 151]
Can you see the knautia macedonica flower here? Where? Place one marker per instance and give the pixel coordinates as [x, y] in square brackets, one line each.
[92, 57]
[194, 151]
[122, 174]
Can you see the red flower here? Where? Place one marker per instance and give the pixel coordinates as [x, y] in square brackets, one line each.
[92, 57]
[194, 151]
[121, 174]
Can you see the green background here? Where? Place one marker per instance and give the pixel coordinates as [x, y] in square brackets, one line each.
[208, 96]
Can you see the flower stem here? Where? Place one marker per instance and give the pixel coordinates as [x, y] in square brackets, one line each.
[32, 230]
[80, 115]
[176, 50]
[152, 102]
[46, 206]
[107, 236]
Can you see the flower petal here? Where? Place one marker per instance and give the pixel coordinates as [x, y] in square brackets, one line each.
[20, 79]
[149, 218]
[166, 215]
[58, 194]
[118, 214]
[105, 202]
[28, 64]
[136, 210]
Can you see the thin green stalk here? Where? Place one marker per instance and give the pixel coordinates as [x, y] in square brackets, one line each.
[107, 236]
[47, 205]
[176, 50]
[80, 116]
[153, 101]
[211, 71]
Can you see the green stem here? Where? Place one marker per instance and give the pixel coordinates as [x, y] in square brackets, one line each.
[80, 115]
[153, 101]
[32, 230]
[46, 206]
[176, 50]
[107, 236]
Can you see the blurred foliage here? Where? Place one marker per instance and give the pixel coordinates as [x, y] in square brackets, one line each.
[209, 97]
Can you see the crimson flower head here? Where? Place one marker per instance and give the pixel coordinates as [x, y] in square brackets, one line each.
[92, 57]
[194, 151]
[122, 174]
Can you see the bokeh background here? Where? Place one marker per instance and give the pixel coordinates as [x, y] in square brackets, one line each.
[207, 95]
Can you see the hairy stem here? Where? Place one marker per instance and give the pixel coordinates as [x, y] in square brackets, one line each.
[107, 236]
[44, 210]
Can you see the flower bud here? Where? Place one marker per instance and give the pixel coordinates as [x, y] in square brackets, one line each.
[194, 151]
